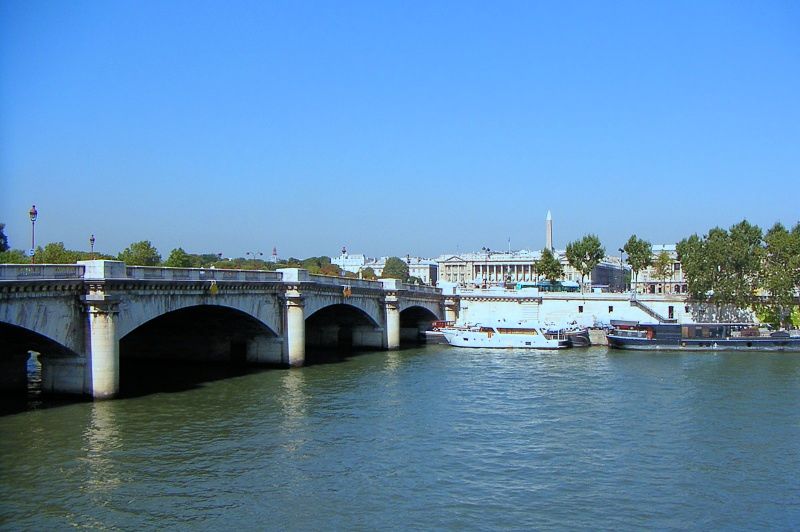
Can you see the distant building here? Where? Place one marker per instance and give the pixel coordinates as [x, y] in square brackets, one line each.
[487, 268]
[349, 263]
[492, 268]
[424, 269]
[274, 257]
[427, 270]
[649, 283]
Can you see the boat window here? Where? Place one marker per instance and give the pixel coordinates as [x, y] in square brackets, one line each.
[580, 309]
[610, 309]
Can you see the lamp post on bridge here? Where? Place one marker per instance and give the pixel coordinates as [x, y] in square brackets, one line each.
[91, 245]
[253, 255]
[33, 213]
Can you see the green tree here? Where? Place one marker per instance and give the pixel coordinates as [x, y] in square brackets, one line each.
[3, 238]
[14, 256]
[321, 266]
[56, 253]
[696, 271]
[585, 254]
[780, 271]
[140, 254]
[549, 266]
[723, 267]
[663, 269]
[178, 258]
[640, 255]
[368, 273]
[395, 268]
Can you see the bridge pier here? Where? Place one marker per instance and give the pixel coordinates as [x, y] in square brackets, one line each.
[63, 375]
[451, 306]
[102, 346]
[392, 304]
[295, 322]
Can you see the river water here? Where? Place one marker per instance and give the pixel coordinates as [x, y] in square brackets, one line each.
[435, 438]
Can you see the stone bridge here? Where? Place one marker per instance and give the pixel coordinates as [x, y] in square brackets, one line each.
[83, 318]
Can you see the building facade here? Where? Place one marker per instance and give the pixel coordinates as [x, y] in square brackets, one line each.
[424, 269]
[649, 281]
[487, 268]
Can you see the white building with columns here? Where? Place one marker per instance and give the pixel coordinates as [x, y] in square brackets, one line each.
[494, 268]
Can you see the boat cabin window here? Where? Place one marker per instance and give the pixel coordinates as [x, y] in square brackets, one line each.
[531, 332]
[610, 309]
[487, 330]
[580, 309]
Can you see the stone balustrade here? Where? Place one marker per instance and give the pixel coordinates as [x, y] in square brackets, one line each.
[23, 272]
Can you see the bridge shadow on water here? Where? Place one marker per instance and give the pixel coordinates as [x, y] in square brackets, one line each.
[141, 377]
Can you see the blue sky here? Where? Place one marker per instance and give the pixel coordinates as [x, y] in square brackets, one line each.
[394, 127]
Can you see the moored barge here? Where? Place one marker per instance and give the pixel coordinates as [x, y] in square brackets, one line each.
[699, 337]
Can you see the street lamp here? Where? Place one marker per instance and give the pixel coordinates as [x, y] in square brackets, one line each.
[33, 213]
[253, 254]
[622, 265]
[91, 245]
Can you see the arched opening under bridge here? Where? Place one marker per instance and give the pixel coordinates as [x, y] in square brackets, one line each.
[339, 330]
[182, 348]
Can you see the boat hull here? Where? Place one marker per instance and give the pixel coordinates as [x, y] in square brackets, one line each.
[720, 344]
[460, 338]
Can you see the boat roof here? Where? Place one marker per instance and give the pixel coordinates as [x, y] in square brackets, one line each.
[634, 323]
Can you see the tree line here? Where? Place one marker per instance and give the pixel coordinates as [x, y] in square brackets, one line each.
[143, 253]
[742, 267]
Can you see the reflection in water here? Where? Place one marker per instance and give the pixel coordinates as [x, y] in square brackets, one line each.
[294, 398]
[101, 439]
[392, 361]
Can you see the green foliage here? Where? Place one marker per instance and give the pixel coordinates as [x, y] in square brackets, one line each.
[56, 253]
[549, 266]
[412, 279]
[140, 254]
[723, 267]
[395, 268]
[369, 274]
[14, 256]
[640, 254]
[320, 266]
[3, 239]
[178, 258]
[780, 274]
[663, 269]
[585, 254]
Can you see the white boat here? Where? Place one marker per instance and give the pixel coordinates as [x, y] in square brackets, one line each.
[519, 335]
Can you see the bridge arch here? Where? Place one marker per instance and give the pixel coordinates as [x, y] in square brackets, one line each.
[17, 342]
[342, 327]
[143, 309]
[414, 321]
[200, 332]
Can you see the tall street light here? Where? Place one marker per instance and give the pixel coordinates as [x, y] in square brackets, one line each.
[91, 245]
[33, 213]
[253, 255]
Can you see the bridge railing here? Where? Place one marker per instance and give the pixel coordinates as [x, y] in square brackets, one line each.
[22, 272]
[422, 288]
[199, 274]
[344, 281]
